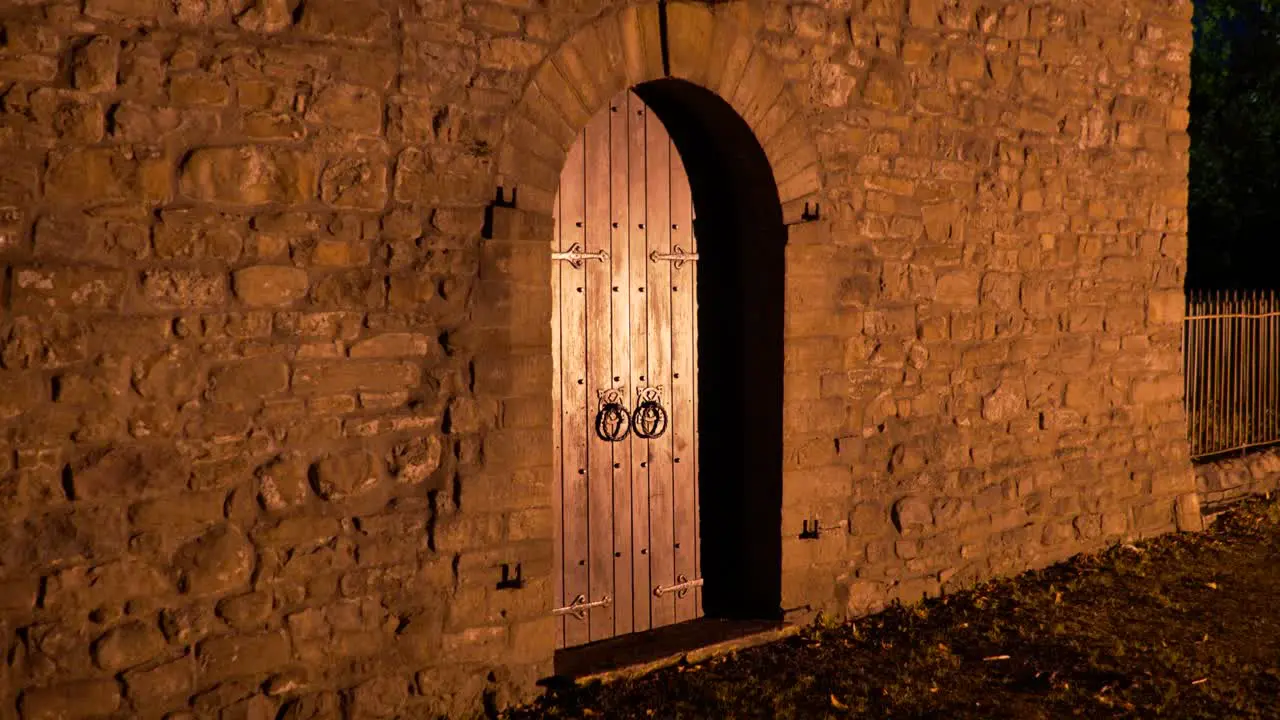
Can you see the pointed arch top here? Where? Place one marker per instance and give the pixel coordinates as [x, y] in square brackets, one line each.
[686, 40]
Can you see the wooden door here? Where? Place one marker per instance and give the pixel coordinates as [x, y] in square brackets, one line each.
[624, 335]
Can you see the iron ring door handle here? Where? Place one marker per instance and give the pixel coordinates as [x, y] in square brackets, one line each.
[649, 420]
[613, 422]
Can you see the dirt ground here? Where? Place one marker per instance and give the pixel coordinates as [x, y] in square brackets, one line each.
[1183, 626]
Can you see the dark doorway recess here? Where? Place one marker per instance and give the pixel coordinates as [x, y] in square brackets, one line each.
[741, 241]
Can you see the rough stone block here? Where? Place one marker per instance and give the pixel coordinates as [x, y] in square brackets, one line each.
[248, 175]
[333, 19]
[380, 696]
[347, 107]
[93, 176]
[160, 686]
[70, 701]
[327, 378]
[248, 381]
[184, 288]
[128, 472]
[219, 561]
[389, 345]
[127, 645]
[95, 65]
[243, 655]
[1187, 513]
[344, 475]
[270, 285]
[247, 612]
[355, 182]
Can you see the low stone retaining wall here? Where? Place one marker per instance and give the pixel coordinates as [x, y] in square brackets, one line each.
[1233, 477]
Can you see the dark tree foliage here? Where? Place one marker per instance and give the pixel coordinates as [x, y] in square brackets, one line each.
[1234, 213]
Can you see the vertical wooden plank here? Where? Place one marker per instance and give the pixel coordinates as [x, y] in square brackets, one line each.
[695, 455]
[682, 426]
[661, 491]
[557, 427]
[599, 374]
[636, 265]
[620, 300]
[574, 410]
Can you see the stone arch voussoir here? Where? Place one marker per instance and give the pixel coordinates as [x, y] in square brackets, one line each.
[712, 48]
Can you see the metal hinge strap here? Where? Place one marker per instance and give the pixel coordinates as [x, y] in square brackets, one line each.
[574, 256]
[677, 257]
[579, 607]
[681, 588]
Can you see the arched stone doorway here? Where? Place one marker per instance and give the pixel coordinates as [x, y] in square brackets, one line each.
[754, 174]
[667, 467]
[625, 387]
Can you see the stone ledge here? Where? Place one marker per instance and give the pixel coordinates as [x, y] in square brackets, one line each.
[1227, 479]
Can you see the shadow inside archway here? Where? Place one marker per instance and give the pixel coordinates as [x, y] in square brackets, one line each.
[741, 239]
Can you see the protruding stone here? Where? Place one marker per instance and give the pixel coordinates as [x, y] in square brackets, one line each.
[92, 176]
[266, 16]
[20, 392]
[912, 514]
[957, 287]
[414, 460]
[248, 381]
[127, 645]
[217, 562]
[347, 107]
[270, 285]
[129, 472]
[246, 612]
[282, 483]
[380, 697]
[161, 685]
[1187, 513]
[355, 182]
[333, 19]
[184, 288]
[70, 701]
[393, 345]
[250, 175]
[347, 474]
[95, 65]
[243, 654]
[1003, 404]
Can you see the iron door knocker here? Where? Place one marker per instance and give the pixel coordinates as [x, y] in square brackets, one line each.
[613, 422]
[649, 418]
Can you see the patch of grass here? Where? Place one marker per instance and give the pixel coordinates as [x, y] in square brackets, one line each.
[1184, 626]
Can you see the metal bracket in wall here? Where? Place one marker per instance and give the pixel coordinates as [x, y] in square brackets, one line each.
[681, 588]
[575, 256]
[677, 257]
[509, 581]
[579, 607]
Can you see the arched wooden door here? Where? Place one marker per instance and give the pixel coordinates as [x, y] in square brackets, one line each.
[624, 341]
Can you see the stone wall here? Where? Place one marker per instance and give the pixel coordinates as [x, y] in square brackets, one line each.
[1224, 480]
[274, 375]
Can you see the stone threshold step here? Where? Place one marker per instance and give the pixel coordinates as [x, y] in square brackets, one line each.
[629, 656]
